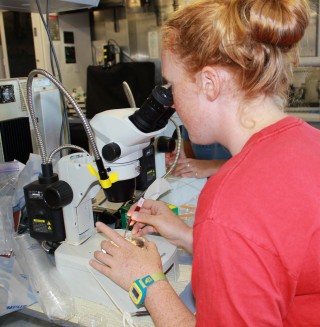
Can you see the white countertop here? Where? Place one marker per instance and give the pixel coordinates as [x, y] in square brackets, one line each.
[102, 315]
[309, 114]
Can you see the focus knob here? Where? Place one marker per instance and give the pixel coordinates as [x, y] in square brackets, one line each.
[58, 195]
[166, 144]
[111, 152]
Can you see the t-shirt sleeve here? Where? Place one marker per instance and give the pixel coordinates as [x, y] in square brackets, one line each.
[235, 281]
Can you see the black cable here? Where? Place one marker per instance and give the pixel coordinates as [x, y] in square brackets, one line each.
[49, 247]
[51, 45]
[50, 40]
[114, 41]
[127, 56]
[121, 51]
[23, 222]
[65, 120]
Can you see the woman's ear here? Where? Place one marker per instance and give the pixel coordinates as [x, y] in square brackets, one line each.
[210, 82]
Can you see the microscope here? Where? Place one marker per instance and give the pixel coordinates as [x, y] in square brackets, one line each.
[120, 135]
[118, 138]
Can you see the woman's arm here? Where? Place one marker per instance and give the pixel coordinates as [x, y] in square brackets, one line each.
[123, 263]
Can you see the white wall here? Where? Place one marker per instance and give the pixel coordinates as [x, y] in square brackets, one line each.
[4, 70]
[73, 75]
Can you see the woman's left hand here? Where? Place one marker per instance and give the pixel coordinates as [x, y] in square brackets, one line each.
[195, 168]
[122, 261]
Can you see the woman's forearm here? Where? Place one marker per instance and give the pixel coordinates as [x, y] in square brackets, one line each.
[166, 308]
[186, 240]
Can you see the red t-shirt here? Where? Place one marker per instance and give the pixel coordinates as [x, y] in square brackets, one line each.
[257, 233]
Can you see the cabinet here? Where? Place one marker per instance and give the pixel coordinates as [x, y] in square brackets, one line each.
[305, 87]
[310, 45]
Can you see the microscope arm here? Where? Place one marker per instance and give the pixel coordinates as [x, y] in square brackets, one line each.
[78, 215]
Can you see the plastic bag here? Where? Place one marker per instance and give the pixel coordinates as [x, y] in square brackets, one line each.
[8, 178]
[15, 290]
[52, 293]
[29, 173]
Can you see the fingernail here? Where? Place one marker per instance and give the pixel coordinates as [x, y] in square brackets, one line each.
[134, 215]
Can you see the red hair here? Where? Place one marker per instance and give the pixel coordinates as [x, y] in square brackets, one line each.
[256, 39]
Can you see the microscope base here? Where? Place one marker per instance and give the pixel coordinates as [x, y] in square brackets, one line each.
[72, 261]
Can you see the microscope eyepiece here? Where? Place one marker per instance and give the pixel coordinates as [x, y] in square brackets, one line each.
[155, 111]
[163, 94]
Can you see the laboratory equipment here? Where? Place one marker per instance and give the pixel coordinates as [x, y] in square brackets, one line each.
[119, 135]
[18, 139]
[122, 134]
[43, 196]
[54, 6]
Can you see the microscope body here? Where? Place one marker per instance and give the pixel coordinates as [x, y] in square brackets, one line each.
[120, 136]
[78, 215]
[120, 142]
[112, 129]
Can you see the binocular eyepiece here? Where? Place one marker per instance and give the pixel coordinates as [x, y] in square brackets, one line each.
[156, 111]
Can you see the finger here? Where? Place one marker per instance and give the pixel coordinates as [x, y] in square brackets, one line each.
[188, 175]
[132, 209]
[145, 230]
[183, 161]
[169, 163]
[180, 173]
[103, 258]
[143, 217]
[102, 268]
[137, 226]
[176, 174]
[183, 167]
[147, 204]
[109, 247]
[111, 234]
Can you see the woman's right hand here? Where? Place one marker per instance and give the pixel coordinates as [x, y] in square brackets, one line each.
[157, 217]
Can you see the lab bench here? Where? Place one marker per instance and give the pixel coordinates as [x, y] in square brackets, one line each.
[183, 190]
[104, 316]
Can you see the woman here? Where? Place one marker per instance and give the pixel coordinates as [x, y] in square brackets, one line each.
[256, 237]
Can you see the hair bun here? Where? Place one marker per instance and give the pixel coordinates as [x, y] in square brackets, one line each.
[281, 23]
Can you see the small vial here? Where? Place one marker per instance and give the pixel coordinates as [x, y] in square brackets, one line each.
[135, 240]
